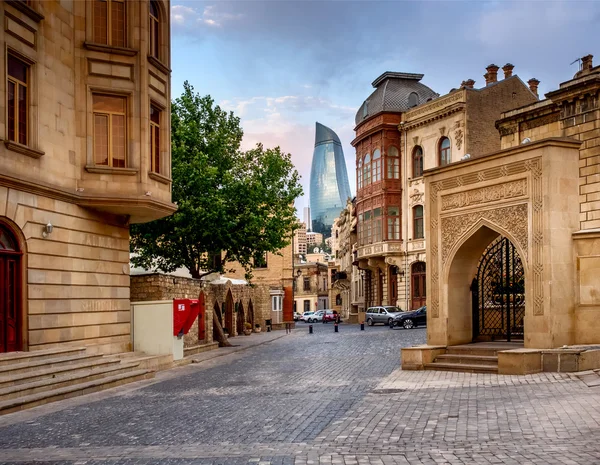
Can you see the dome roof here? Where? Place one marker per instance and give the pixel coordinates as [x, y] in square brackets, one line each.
[393, 93]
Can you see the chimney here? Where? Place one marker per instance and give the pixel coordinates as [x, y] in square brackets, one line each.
[508, 69]
[492, 74]
[586, 62]
[533, 86]
[469, 83]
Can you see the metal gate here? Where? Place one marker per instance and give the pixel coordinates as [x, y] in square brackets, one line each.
[498, 293]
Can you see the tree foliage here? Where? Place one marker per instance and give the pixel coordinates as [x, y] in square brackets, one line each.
[231, 204]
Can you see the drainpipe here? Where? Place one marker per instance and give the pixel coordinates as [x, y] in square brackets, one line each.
[405, 214]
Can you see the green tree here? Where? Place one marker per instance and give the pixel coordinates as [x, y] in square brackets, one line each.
[232, 205]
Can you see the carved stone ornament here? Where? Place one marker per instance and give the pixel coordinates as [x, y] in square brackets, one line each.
[485, 194]
[442, 130]
[416, 140]
[512, 218]
[458, 136]
[416, 196]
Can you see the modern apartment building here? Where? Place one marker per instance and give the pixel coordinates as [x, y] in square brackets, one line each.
[85, 121]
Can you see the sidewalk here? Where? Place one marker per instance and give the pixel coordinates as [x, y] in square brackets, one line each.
[239, 343]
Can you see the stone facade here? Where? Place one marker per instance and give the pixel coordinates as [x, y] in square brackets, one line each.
[310, 289]
[462, 122]
[68, 214]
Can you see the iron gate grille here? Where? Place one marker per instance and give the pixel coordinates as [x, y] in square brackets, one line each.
[498, 293]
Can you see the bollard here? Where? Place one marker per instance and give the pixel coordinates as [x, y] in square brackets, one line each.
[310, 329]
[362, 326]
[335, 328]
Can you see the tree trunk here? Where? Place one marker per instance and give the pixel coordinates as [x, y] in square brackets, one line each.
[218, 329]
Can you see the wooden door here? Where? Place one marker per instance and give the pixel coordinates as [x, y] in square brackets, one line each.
[419, 291]
[10, 292]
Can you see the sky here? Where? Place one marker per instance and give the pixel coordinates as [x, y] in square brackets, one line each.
[283, 65]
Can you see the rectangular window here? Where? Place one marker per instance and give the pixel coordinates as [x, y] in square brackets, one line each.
[377, 237]
[17, 100]
[154, 29]
[393, 223]
[393, 168]
[261, 262]
[154, 139]
[276, 304]
[418, 232]
[109, 22]
[361, 229]
[368, 225]
[306, 284]
[110, 130]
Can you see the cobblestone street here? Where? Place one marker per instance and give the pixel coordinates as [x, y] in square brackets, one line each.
[324, 398]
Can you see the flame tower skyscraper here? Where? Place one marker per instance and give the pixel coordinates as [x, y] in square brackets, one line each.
[329, 187]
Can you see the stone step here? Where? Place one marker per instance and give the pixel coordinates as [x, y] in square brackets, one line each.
[86, 366]
[465, 350]
[461, 367]
[66, 379]
[199, 349]
[35, 365]
[10, 358]
[468, 359]
[33, 400]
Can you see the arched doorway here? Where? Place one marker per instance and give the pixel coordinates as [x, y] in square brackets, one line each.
[250, 314]
[498, 293]
[202, 318]
[418, 287]
[229, 315]
[240, 318]
[10, 291]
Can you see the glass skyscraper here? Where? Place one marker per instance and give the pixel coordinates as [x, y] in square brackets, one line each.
[329, 187]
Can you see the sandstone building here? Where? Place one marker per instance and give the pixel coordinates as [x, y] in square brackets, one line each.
[402, 129]
[85, 124]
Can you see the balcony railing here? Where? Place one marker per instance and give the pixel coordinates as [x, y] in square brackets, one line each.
[380, 248]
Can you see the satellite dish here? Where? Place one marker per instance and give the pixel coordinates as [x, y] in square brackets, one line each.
[316, 250]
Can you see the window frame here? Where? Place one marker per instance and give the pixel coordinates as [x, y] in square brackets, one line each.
[367, 170]
[360, 173]
[260, 264]
[155, 129]
[305, 283]
[154, 21]
[28, 89]
[444, 153]
[376, 166]
[417, 160]
[393, 163]
[393, 223]
[110, 36]
[109, 114]
[418, 224]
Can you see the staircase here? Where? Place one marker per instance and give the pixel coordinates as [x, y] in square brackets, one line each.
[471, 358]
[29, 379]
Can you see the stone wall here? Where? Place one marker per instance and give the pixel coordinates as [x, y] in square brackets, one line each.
[253, 304]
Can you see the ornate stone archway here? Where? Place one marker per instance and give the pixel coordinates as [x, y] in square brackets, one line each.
[528, 194]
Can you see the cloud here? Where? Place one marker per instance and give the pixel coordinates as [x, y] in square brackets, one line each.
[187, 18]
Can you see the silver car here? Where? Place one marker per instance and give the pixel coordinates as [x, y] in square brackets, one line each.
[383, 314]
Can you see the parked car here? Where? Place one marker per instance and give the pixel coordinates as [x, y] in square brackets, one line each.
[316, 316]
[383, 314]
[297, 316]
[409, 320]
[331, 315]
[306, 317]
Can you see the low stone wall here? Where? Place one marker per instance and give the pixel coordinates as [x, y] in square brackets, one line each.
[157, 286]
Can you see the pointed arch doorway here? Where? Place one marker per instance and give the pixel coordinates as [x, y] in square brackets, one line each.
[10, 291]
[498, 293]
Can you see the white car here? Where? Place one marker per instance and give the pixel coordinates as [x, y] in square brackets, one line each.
[307, 317]
[316, 316]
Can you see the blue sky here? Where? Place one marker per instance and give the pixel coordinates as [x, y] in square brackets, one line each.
[282, 65]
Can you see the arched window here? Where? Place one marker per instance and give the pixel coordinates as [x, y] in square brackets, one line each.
[418, 232]
[367, 170]
[444, 151]
[154, 28]
[417, 162]
[360, 173]
[413, 100]
[393, 163]
[376, 165]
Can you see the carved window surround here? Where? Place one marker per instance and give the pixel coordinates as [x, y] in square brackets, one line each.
[26, 9]
[159, 177]
[159, 64]
[98, 169]
[125, 51]
[23, 149]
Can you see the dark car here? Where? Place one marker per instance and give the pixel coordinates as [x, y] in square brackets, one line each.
[409, 320]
